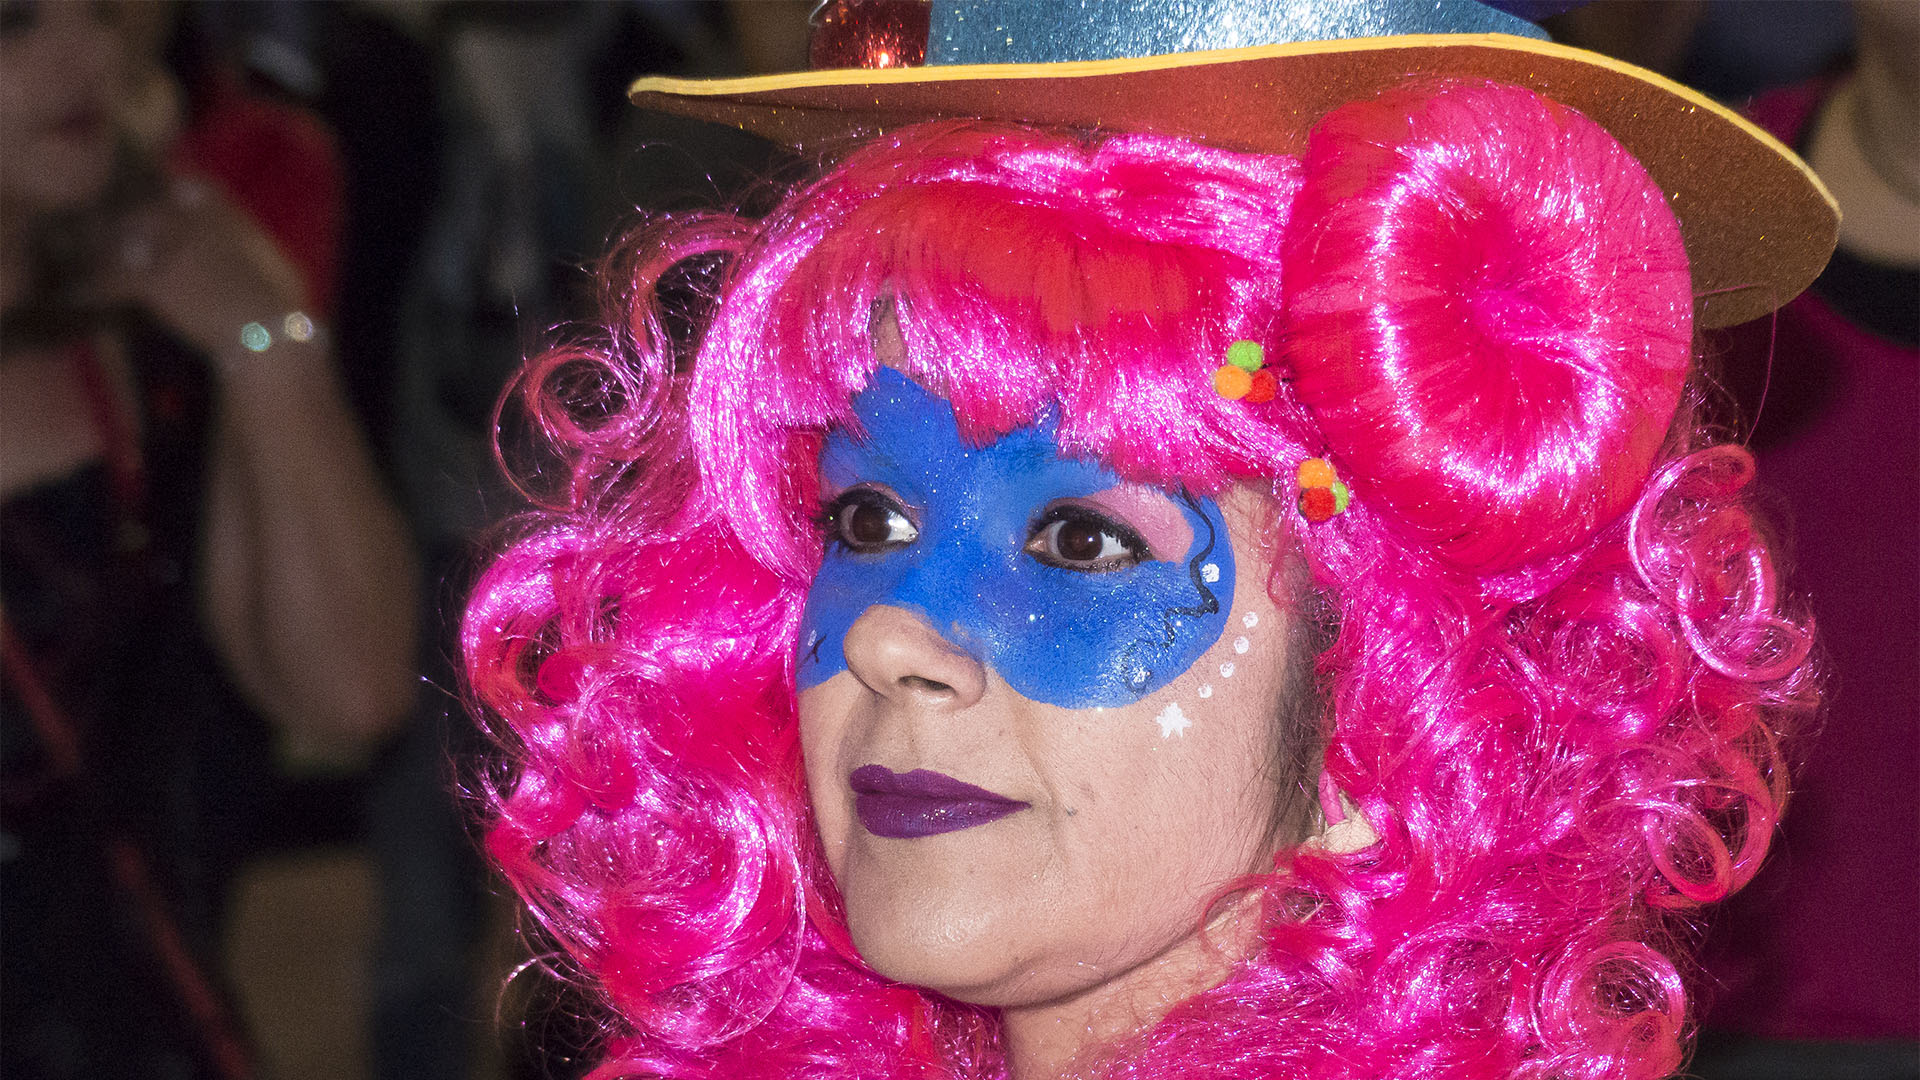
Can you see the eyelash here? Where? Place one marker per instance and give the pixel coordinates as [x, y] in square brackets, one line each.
[830, 521]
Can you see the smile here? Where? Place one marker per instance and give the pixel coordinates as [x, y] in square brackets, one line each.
[922, 803]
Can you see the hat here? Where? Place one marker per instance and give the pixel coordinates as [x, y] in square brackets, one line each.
[1255, 75]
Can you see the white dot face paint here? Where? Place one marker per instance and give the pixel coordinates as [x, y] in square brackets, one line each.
[1250, 620]
[1206, 691]
[1241, 645]
[1226, 670]
[1210, 573]
[1172, 721]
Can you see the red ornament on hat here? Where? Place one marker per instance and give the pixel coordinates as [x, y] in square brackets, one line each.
[869, 34]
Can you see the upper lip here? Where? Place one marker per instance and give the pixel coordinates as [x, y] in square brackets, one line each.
[918, 784]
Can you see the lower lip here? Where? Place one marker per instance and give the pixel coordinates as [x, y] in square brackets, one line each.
[906, 816]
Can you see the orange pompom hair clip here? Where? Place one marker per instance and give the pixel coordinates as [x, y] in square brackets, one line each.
[1322, 494]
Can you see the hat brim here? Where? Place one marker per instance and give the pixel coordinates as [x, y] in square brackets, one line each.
[1758, 224]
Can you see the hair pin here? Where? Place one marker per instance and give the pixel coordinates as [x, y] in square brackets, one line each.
[1322, 494]
[1245, 376]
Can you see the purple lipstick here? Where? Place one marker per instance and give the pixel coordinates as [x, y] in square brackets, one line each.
[922, 802]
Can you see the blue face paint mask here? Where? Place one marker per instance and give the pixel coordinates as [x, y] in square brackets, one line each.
[971, 540]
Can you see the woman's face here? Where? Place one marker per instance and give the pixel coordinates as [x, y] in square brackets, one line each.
[60, 68]
[1038, 705]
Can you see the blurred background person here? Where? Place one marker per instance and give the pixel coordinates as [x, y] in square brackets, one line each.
[427, 180]
[537, 161]
[203, 580]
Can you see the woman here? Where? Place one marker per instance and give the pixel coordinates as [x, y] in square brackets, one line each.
[1103, 605]
[199, 558]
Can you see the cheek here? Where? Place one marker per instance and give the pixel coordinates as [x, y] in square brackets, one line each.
[1243, 673]
[1238, 682]
[1187, 780]
[825, 722]
[1147, 828]
[1192, 813]
[1210, 755]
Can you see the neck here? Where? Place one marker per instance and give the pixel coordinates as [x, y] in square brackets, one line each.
[1063, 1039]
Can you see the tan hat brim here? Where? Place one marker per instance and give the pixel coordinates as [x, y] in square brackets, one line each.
[1759, 225]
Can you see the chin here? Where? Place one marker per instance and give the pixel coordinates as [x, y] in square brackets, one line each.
[917, 939]
[1002, 959]
[947, 946]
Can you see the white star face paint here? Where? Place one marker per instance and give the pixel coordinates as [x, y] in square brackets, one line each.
[1172, 721]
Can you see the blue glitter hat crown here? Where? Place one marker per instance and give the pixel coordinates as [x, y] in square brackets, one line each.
[1023, 31]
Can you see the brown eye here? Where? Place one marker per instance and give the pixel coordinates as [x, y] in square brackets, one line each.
[866, 521]
[1073, 537]
[868, 524]
[1078, 541]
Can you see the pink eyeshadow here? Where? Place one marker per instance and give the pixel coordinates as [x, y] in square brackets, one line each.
[1150, 511]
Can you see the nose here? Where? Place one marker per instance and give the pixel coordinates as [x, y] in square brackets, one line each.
[900, 656]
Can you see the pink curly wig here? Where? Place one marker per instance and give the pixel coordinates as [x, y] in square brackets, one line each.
[1562, 663]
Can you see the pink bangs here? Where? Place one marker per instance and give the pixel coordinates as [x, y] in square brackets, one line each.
[1031, 275]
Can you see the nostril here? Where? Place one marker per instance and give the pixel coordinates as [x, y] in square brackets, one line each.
[895, 653]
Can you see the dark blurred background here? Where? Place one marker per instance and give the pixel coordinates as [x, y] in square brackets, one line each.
[473, 160]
